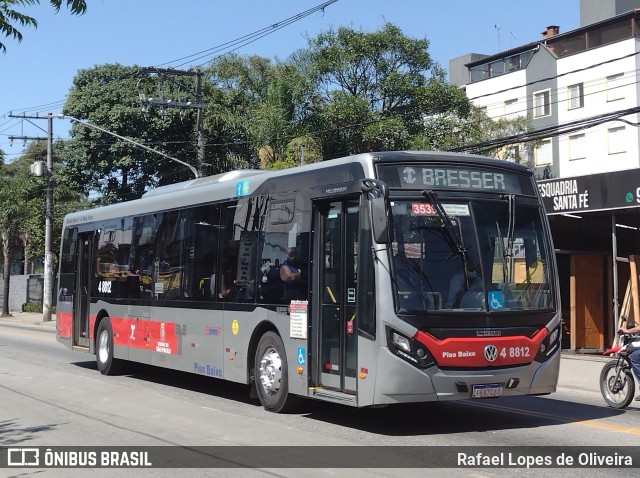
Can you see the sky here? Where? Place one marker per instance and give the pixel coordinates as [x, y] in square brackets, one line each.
[37, 73]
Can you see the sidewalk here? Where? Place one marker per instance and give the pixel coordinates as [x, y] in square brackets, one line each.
[29, 318]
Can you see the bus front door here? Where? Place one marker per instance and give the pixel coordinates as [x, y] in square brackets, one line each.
[337, 254]
[82, 291]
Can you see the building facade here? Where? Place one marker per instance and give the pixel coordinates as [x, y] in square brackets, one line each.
[580, 91]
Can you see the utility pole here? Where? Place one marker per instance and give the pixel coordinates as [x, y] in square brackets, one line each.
[168, 103]
[48, 262]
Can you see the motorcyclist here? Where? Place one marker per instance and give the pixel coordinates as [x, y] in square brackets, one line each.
[634, 356]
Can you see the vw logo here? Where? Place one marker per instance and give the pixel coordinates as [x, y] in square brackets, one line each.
[491, 353]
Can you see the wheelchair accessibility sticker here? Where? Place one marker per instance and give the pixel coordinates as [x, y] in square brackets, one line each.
[496, 300]
[301, 356]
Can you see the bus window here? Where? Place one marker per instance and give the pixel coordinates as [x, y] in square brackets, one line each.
[228, 254]
[200, 264]
[168, 260]
[285, 259]
[142, 252]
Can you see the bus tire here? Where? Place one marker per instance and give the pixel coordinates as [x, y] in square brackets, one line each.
[107, 364]
[271, 374]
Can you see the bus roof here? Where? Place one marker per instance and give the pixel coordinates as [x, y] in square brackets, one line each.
[225, 185]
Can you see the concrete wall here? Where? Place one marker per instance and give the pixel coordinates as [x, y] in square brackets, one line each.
[593, 11]
[23, 289]
[458, 72]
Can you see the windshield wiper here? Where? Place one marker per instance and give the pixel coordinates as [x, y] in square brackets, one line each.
[507, 248]
[503, 253]
[445, 224]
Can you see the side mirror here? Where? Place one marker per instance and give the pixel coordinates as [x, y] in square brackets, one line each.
[380, 220]
[378, 194]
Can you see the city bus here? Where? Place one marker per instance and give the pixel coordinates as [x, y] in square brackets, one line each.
[369, 280]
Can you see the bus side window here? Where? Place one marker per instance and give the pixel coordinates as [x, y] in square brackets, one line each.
[201, 260]
[283, 233]
[227, 254]
[168, 282]
[142, 254]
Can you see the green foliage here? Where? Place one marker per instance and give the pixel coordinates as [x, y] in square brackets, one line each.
[255, 109]
[10, 16]
[382, 91]
[386, 135]
[13, 191]
[108, 96]
[308, 144]
[348, 92]
[29, 191]
[31, 307]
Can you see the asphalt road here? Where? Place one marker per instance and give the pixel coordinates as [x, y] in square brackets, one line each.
[51, 396]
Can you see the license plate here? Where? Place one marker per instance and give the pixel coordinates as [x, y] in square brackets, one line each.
[486, 391]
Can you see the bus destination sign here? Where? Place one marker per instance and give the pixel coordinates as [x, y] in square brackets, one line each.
[455, 177]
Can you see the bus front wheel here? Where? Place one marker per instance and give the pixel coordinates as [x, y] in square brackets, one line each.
[107, 364]
[271, 374]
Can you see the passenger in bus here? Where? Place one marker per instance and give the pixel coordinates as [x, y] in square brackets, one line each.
[291, 275]
[146, 265]
[226, 278]
[465, 287]
[106, 263]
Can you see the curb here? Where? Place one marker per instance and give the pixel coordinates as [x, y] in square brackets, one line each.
[571, 355]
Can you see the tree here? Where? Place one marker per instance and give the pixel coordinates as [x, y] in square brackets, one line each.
[108, 96]
[378, 89]
[32, 225]
[255, 109]
[12, 212]
[10, 16]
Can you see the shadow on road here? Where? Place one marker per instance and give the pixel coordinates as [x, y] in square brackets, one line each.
[399, 420]
[11, 433]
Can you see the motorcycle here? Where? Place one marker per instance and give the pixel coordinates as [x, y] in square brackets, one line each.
[616, 379]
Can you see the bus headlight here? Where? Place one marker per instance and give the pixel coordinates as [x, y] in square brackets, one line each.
[401, 341]
[408, 349]
[549, 345]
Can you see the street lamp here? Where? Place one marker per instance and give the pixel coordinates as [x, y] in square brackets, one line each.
[129, 140]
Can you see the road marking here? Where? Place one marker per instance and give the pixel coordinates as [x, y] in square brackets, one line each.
[560, 418]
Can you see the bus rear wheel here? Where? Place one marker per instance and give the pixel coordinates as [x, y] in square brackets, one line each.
[272, 374]
[107, 364]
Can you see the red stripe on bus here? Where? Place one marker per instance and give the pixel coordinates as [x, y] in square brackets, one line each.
[145, 334]
[63, 324]
[477, 351]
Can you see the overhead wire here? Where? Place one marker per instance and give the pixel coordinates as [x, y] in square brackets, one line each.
[258, 34]
[247, 39]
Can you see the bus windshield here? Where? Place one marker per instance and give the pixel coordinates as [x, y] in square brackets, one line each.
[472, 255]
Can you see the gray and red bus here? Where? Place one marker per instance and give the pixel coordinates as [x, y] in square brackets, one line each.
[410, 277]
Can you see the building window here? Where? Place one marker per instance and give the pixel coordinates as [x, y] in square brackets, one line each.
[576, 96]
[496, 68]
[617, 143]
[577, 148]
[615, 87]
[483, 110]
[541, 103]
[511, 108]
[512, 153]
[543, 155]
